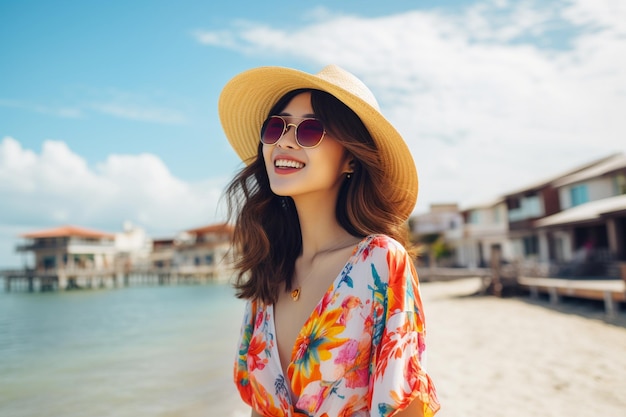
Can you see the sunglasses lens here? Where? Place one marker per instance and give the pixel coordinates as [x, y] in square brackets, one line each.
[310, 133]
[272, 130]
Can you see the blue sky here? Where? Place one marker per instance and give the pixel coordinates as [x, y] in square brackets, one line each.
[108, 109]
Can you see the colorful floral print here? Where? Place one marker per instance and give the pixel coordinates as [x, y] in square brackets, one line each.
[360, 353]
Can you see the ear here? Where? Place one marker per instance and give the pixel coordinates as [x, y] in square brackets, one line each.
[349, 164]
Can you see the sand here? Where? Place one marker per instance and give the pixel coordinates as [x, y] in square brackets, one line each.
[509, 357]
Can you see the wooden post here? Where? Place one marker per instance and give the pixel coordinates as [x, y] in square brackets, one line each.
[622, 270]
[496, 283]
[609, 305]
[554, 295]
[62, 280]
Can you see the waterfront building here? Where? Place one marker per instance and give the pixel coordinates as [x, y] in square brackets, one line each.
[572, 224]
[438, 231]
[485, 230]
[162, 255]
[205, 249]
[69, 248]
[69, 257]
[133, 248]
[588, 237]
[528, 205]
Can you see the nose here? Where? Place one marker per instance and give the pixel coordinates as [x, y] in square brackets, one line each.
[288, 139]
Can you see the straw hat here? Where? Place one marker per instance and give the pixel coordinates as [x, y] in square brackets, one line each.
[247, 98]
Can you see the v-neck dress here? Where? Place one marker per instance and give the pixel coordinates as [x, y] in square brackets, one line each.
[360, 353]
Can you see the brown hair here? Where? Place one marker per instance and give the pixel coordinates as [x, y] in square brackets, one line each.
[267, 237]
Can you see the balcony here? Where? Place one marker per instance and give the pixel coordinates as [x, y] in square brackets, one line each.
[64, 245]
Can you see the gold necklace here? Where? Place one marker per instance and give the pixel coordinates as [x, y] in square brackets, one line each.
[295, 293]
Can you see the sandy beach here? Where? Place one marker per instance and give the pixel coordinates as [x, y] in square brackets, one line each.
[510, 357]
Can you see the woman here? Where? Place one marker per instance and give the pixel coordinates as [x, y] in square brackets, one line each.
[334, 324]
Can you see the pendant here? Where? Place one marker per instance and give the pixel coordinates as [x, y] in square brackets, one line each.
[295, 294]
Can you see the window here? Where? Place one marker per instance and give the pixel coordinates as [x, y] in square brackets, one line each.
[497, 217]
[619, 182]
[531, 207]
[49, 262]
[531, 245]
[579, 195]
[514, 203]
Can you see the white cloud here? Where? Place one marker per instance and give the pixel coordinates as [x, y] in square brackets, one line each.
[604, 14]
[110, 102]
[57, 186]
[139, 106]
[489, 98]
[223, 38]
[59, 111]
[140, 113]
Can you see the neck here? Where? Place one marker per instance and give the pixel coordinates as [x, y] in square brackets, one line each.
[320, 230]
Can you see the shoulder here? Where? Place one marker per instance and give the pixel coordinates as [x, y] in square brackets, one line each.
[389, 260]
[254, 312]
[382, 245]
[385, 241]
[383, 258]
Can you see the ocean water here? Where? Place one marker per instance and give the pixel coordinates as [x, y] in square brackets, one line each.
[135, 351]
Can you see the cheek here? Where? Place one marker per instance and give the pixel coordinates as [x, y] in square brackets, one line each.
[267, 156]
[336, 155]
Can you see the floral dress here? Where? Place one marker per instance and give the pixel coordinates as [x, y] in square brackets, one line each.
[360, 353]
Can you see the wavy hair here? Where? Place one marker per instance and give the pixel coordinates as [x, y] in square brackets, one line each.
[267, 237]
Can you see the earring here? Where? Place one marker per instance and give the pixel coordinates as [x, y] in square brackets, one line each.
[349, 173]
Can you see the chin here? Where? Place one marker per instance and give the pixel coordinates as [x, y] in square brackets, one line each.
[282, 191]
[285, 187]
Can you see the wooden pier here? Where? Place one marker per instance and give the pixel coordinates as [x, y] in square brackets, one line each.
[31, 280]
[611, 292]
[427, 274]
[496, 279]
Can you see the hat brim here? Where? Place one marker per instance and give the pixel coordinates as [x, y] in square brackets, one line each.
[247, 98]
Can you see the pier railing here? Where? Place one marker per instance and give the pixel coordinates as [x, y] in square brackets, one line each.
[78, 278]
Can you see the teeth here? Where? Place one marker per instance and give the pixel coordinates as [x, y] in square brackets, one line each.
[287, 163]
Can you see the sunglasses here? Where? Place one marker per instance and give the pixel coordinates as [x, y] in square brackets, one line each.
[309, 132]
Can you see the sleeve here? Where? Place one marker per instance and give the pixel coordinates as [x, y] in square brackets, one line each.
[241, 374]
[251, 361]
[399, 374]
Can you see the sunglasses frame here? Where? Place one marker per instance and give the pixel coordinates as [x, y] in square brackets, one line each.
[295, 126]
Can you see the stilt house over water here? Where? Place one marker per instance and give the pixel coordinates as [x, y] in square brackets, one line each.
[69, 248]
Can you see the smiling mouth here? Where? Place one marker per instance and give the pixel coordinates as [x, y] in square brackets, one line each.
[288, 163]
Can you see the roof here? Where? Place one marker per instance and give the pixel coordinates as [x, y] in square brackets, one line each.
[67, 231]
[590, 211]
[163, 241]
[487, 204]
[224, 228]
[612, 164]
[551, 180]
